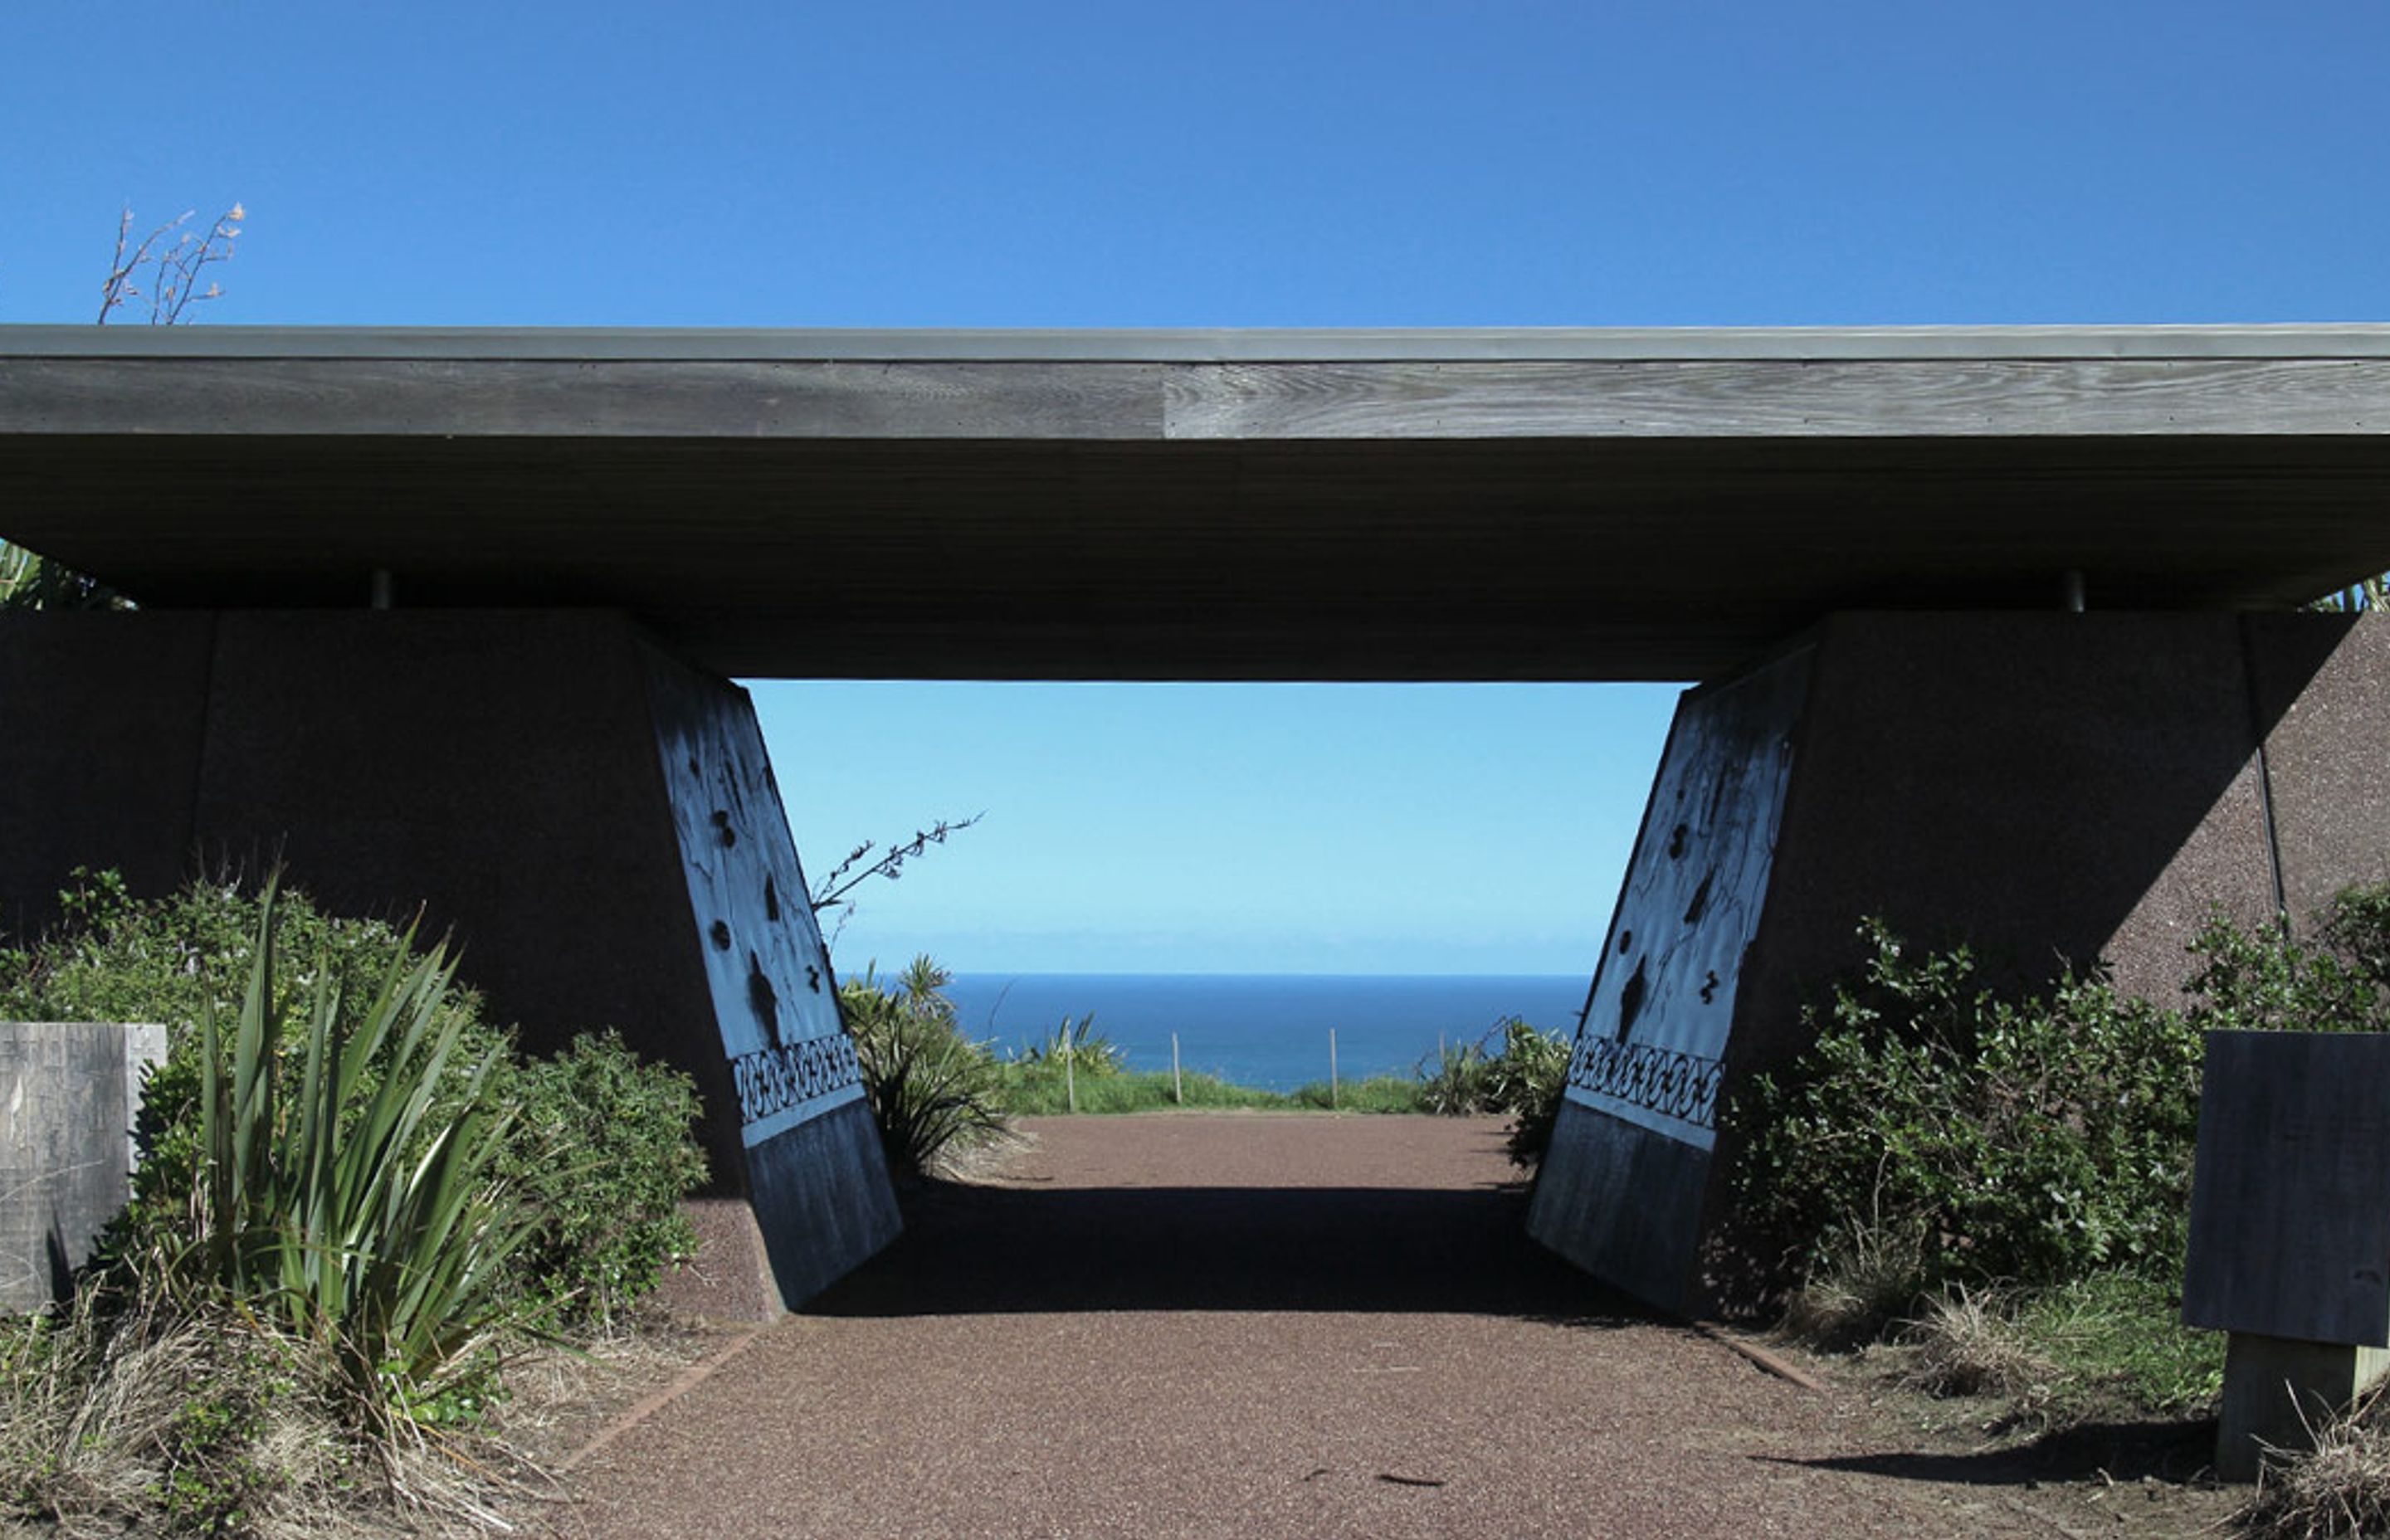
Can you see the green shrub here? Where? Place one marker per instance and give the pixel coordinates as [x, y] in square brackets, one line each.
[2023, 1141]
[2264, 980]
[1944, 1148]
[608, 1207]
[1453, 1083]
[1036, 1089]
[1526, 1080]
[1088, 1051]
[2356, 926]
[354, 1199]
[934, 1093]
[604, 1159]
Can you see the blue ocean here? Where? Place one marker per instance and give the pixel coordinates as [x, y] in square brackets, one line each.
[1265, 1029]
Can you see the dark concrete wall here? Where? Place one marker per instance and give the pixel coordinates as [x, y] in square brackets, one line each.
[506, 774]
[100, 723]
[2050, 788]
[496, 769]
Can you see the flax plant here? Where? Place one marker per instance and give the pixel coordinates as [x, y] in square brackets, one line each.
[335, 1208]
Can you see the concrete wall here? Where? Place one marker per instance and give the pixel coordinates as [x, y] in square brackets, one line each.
[525, 778]
[2048, 787]
[70, 1095]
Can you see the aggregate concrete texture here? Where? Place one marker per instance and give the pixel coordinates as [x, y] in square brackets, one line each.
[1249, 1325]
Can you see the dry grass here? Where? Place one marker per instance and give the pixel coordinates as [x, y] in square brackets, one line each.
[152, 1423]
[1970, 1343]
[2342, 1488]
[1871, 1284]
[558, 1398]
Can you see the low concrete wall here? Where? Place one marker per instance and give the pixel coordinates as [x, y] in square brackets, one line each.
[70, 1095]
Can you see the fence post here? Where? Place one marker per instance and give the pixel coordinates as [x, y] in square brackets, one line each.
[1177, 1090]
[1331, 1070]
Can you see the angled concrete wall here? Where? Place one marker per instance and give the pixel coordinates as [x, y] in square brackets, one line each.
[2046, 787]
[588, 815]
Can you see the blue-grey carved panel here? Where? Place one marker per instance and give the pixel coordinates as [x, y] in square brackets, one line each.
[1651, 1048]
[776, 1004]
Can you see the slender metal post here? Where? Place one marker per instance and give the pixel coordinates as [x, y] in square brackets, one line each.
[1331, 1070]
[1177, 1090]
[1070, 1075]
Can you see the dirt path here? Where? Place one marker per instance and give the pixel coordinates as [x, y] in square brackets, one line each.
[1274, 1324]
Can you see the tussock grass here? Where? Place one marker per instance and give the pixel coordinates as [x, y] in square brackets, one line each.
[1971, 1342]
[217, 1422]
[1868, 1285]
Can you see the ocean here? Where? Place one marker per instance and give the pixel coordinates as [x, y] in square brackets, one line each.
[1265, 1030]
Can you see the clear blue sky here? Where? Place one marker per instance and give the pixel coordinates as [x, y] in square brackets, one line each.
[1230, 164]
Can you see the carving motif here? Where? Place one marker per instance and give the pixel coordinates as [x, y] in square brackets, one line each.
[1673, 1083]
[773, 1080]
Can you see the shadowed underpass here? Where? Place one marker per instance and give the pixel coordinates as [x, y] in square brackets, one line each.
[972, 1249]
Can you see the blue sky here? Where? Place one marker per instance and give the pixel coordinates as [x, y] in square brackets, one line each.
[1230, 165]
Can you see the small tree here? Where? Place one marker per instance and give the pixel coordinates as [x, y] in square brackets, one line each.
[164, 269]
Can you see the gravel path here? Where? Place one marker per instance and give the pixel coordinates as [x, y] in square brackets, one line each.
[1245, 1324]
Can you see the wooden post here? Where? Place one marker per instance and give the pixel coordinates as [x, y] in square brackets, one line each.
[1070, 1075]
[1331, 1069]
[1177, 1090]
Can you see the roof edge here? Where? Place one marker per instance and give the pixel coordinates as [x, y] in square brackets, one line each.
[1197, 345]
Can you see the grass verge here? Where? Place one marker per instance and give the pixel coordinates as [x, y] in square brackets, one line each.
[2107, 1346]
[1034, 1087]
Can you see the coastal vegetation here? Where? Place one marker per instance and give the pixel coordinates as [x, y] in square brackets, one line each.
[1991, 1186]
[358, 1204]
[939, 1095]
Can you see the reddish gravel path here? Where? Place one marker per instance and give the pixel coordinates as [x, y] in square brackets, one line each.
[1259, 1325]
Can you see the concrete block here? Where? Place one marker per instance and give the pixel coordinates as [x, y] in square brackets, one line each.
[70, 1095]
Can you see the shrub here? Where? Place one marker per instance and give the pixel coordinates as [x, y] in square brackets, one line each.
[1945, 1144]
[1077, 1043]
[1526, 1080]
[1037, 1089]
[607, 1214]
[608, 1220]
[934, 1093]
[1453, 1085]
[2265, 981]
[1524, 1077]
[2020, 1141]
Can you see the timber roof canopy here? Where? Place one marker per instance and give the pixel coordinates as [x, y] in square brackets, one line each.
[1229, 504]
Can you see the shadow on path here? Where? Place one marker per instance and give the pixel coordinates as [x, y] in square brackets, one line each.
[972, 1250]
[2126, 1452]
